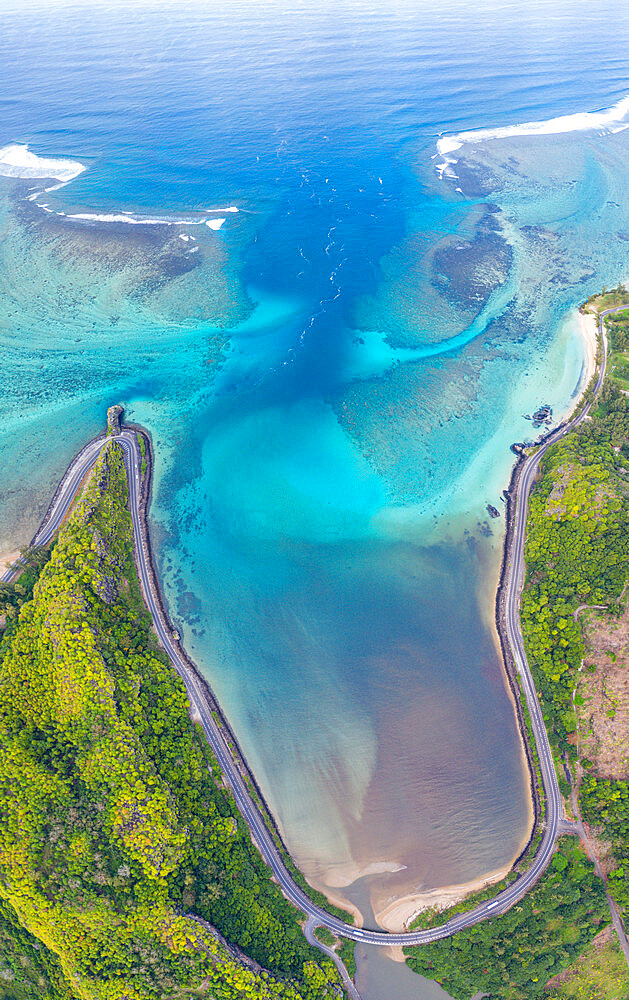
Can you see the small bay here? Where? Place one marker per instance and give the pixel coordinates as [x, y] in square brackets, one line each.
[332, 375]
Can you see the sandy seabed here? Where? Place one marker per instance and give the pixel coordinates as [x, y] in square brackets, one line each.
[398, 914]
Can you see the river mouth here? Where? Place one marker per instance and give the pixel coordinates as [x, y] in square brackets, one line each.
[332, 379]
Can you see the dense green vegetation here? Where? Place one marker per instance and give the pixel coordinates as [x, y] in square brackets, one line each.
[325, 936]
[600, 974]
[343, 946]
[513, 956]
[114, 823]
[576, 553]
[347, 954]
[14, 595]
[618, 328]
[605, 803]
[28, 971]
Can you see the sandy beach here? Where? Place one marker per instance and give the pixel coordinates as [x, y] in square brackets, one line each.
[396, 916]
[7, 558]
[587, 328]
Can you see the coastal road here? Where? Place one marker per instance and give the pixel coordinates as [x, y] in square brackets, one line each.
[309, 932]
[198, 694]
[62, 500]
[261, 835]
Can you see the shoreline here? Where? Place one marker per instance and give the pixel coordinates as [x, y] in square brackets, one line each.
[407, 907]
[396, 916]
[42, 536]
[238, 757]
[587, 326]
[7, 559]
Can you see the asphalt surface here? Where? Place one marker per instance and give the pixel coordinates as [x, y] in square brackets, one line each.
[309, 928]
[127, 439]
[66, 491]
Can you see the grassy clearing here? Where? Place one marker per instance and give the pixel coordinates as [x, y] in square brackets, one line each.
[600, 974]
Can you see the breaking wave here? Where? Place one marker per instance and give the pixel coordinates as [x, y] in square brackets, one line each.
[17, 161]
[613, 119]
[142, 220]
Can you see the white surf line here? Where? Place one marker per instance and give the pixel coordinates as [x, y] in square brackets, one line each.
[16, 160]
[607, 121]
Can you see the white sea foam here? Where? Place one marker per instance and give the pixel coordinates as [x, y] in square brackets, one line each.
[608, 121]
[141, 220]
[131, 220]
[445, 169]
[17, 161]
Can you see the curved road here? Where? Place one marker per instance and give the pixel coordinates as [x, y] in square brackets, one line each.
[514, 577]
[63, 498]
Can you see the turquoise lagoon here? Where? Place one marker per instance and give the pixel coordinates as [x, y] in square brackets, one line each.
[332, 375]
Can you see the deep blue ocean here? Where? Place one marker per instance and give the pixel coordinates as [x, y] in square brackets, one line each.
[332, 375]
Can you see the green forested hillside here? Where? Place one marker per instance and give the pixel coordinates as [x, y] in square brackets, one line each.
[577, 551]
[114, 824]
[511, 957]
[577, 556]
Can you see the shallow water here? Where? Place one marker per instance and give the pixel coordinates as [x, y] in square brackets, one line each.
[379, 978]
[332, 378]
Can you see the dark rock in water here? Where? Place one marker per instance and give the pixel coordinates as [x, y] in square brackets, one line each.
[467, 271]
[543, 416]
[505, 495]
[492, 511]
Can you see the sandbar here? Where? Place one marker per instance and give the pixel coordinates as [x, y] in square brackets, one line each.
[397, 915]
[338, 876]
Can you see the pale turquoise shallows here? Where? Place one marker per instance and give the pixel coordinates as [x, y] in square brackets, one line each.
[332, 375]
